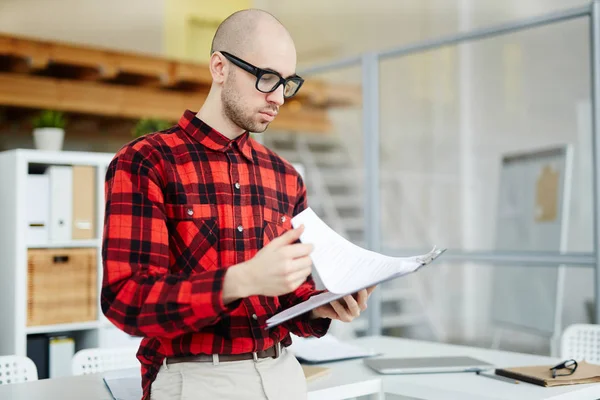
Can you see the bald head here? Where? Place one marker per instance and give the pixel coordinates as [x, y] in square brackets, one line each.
[243, 30]
[248, 88]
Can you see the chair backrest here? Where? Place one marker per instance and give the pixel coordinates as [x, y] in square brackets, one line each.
[89, 361]
[17, 369]
[581, 342]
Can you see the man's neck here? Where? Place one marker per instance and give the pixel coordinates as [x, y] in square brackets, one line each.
[213, 116]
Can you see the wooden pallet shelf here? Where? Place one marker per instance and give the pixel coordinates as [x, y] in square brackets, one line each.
[72, 78]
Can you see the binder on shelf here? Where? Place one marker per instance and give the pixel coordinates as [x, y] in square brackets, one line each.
[38, 352]
[61, 352]
[84, 202]
[38, 209]
[61, 203]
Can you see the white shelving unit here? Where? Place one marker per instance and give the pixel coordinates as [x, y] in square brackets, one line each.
[14, 168]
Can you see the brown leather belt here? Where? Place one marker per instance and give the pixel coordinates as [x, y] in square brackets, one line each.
[273, 352]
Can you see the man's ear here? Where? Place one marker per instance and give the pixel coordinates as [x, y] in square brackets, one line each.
[218, 67]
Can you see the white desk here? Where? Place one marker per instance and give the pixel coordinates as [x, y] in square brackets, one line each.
[352, 379]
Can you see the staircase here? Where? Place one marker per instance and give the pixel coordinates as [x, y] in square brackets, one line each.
[334, 189]
[335, 192]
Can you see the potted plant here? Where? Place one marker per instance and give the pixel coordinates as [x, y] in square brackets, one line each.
[49, 130]
[149, 125]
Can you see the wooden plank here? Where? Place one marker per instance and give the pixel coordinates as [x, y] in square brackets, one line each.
[168, 73]
[35, 53]
[130, 102]
[321, 94]
[108, 61]
[188, 72]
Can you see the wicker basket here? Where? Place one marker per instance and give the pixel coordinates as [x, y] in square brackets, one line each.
[62, 286]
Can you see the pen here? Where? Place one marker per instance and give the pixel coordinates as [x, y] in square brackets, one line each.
[497, 377]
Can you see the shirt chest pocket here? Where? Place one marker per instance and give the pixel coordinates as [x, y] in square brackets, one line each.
[276, 224]
[193, 237]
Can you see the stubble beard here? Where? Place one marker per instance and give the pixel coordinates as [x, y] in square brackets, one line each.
[235, 112]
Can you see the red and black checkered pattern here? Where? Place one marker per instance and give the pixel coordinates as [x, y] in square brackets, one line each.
[182, 205]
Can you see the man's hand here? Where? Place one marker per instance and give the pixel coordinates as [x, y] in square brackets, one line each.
[278, 268]
[346, 310]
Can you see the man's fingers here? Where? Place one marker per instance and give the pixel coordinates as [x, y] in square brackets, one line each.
[302, 263]
[352, 306]
[300, 274]
[328, 312]
[297, 250]
[288, 237]
[370, 289]
[341, 311]
[361, 299]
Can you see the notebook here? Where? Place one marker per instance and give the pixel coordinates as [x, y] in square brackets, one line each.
[326, 349]
[312, 372]
[426, 365]
[541, 375]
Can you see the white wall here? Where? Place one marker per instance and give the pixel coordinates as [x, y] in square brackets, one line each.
[448, 115]
[107, 23]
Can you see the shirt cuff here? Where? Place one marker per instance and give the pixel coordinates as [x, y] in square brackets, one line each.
[207, 295]
[316, 327]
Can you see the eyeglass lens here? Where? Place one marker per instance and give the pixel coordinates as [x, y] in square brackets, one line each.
[269, 82]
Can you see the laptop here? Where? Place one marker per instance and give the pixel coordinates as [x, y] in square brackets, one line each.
[426, 365]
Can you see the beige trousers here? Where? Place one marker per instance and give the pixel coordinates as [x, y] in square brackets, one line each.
[265, 379]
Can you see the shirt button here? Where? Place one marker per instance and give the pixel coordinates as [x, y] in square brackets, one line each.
[283, 218]
[240, 228]
[255, 317]
[190, 212]
[237, 185]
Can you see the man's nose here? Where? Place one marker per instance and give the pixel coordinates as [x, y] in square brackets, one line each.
[276, 97]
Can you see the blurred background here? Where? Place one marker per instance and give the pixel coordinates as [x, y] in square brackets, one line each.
[485, 147]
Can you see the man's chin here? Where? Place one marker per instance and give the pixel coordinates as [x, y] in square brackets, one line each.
[259, 127]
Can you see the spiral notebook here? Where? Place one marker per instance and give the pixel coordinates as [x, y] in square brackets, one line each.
[541, 375]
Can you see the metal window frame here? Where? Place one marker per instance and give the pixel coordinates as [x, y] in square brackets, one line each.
[369, 64]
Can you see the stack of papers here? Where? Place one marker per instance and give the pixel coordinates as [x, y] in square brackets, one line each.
[325, 349]
[343, 267]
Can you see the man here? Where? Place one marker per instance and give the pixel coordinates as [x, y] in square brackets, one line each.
[198, 248]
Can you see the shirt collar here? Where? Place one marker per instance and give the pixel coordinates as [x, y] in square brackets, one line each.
[213, 139]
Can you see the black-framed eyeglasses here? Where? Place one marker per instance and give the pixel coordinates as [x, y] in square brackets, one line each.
[569, 366]
[268, 81]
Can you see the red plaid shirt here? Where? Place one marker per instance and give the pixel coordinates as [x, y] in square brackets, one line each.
[181, 206]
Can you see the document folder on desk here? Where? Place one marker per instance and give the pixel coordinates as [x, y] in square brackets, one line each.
[541, 375]
[124, 384]
[343, 267]
[311, 372]
[325, 349]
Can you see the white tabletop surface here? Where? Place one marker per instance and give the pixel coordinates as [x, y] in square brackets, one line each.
[352, 378]
[348, 377]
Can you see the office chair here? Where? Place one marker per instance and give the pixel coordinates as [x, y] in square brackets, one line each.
[17, 369]
[89, 361]
[581, 342]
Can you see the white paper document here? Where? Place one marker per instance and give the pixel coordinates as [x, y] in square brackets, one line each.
[124, 384]
[326, 349]
[343, 267]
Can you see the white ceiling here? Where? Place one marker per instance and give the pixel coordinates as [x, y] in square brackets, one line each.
[333, 29]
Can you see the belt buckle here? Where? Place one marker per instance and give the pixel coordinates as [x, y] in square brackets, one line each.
[277, 349]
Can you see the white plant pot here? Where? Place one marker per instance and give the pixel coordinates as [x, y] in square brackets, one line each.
[48, 138]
